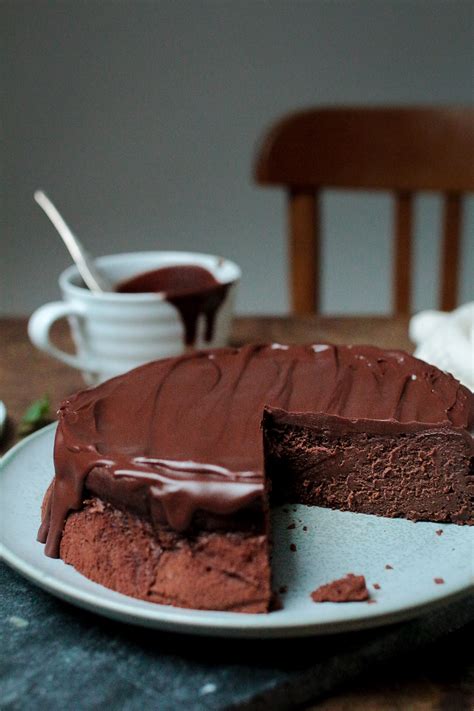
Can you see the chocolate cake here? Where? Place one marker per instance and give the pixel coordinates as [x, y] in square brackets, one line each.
[163, 474]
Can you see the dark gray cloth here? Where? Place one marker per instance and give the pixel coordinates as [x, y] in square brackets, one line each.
[56, 656]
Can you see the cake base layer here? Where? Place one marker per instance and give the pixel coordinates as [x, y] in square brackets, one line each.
[208, 571]
[423, 475]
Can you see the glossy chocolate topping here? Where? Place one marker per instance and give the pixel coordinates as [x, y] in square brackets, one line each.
[183, 435]
[193, 290]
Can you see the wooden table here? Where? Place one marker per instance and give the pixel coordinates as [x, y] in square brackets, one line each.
[444, 677]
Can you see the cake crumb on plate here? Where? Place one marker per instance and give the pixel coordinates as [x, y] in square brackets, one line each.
[351, 588]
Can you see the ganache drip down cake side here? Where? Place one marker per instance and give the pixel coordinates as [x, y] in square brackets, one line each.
[163, 475]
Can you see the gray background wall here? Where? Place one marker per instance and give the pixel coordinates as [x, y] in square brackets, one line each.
[140, 119]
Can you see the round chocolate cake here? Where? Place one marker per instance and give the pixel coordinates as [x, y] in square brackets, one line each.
[164, 475]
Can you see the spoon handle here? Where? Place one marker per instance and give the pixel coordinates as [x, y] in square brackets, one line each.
[93, 279]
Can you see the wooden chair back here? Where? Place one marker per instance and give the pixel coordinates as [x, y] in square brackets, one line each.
[402, 150]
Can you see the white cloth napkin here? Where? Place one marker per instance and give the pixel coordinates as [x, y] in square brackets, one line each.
[446, 340]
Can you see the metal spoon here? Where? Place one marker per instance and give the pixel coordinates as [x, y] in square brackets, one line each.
[94, 279]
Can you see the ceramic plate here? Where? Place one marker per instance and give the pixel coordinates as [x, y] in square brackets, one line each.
[3, 417]
[335, 543]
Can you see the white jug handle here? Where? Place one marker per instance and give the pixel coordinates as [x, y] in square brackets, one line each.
[39, 327]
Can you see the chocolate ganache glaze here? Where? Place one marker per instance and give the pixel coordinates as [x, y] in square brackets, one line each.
[183, 435]
[193, 290]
